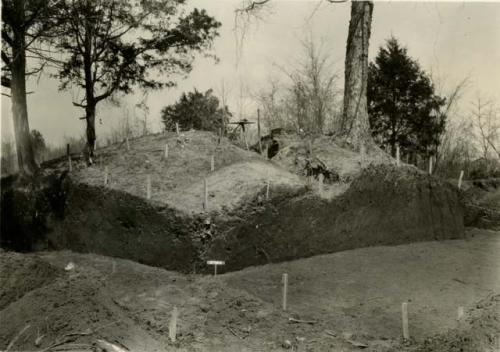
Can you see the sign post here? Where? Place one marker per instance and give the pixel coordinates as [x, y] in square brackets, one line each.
[215, 263]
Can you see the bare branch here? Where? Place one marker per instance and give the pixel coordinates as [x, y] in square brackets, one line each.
[250, 7]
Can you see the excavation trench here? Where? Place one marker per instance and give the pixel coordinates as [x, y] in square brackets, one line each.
[385, 205]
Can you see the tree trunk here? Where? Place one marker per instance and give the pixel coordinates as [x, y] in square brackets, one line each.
[91, 137]
[25, 155]
[90, 107]
[355, 125]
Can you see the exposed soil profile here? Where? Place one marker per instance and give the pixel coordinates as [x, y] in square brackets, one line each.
[257, 211]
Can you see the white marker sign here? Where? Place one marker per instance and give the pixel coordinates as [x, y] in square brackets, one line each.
[215, 263]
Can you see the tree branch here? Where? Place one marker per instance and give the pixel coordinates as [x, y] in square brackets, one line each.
[252, 6]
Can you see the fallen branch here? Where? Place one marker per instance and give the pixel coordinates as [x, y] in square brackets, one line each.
[108, 346]
[357, 344]
[331, 333]
[299, 321]
[13, 341]
[72, 336]
[234, 333]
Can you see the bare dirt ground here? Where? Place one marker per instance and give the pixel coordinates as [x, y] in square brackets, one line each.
[351, 299]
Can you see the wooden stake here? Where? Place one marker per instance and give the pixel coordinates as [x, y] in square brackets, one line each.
[126, 142]
[430, 165]
[245, 139]
[177, 128]
[106, 176]
[258, 130]
[220, 135]
[70, 167]
[267, 189]
[397, 156]
[172, 331]
[406, 332]
[212, 163]
[320, 184]
[460, 313]
[205, 195]
[284, 279]
[166, 151]
[460, 179]
[148, 187]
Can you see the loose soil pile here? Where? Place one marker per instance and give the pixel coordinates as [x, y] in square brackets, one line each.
[257, 211]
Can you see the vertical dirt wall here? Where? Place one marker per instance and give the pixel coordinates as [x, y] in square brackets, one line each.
[384, 206]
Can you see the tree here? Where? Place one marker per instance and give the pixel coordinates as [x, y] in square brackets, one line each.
[38, 143]
[114, 45]
[355, 125]
[403, 107]
[24, 22]
[196, 110]
[307, 100]
[312, 92]
[484, 116]
[8, 160]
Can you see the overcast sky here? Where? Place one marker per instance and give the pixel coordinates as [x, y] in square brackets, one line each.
[453, 39]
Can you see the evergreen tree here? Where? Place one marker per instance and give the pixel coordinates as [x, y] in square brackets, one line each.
[402, 105]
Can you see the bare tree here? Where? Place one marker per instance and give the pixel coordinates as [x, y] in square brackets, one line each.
[312, 92]
[485, 117]
[354, 127]
[223, 92]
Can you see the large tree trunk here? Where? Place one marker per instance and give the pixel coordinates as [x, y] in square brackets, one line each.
[355, 126]
[91, 137]
[25, 155]
[90, 108]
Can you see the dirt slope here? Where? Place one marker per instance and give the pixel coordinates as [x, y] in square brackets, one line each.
[351, 296]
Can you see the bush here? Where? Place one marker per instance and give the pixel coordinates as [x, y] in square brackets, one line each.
[196, 110]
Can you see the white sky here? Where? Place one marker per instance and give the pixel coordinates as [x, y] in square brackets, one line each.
[453, 39]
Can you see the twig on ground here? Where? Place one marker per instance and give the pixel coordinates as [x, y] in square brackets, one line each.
[299, 321]
[331, 333]
[13, 341]
[234, 332]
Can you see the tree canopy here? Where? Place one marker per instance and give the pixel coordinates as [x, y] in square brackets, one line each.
[196, 110]
[402, 105]
[114, 45]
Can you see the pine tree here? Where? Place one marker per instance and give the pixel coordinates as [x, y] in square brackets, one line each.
[402, 105]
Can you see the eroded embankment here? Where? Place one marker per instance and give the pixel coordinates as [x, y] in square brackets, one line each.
[384, 205]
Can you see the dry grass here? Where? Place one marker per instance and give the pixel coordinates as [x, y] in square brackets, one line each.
[178, 179]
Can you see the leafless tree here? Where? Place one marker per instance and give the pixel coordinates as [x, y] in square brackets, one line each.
[354, 126]
[307, 100]
[486, 120]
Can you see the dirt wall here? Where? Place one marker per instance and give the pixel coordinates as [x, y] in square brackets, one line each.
[385, 205]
